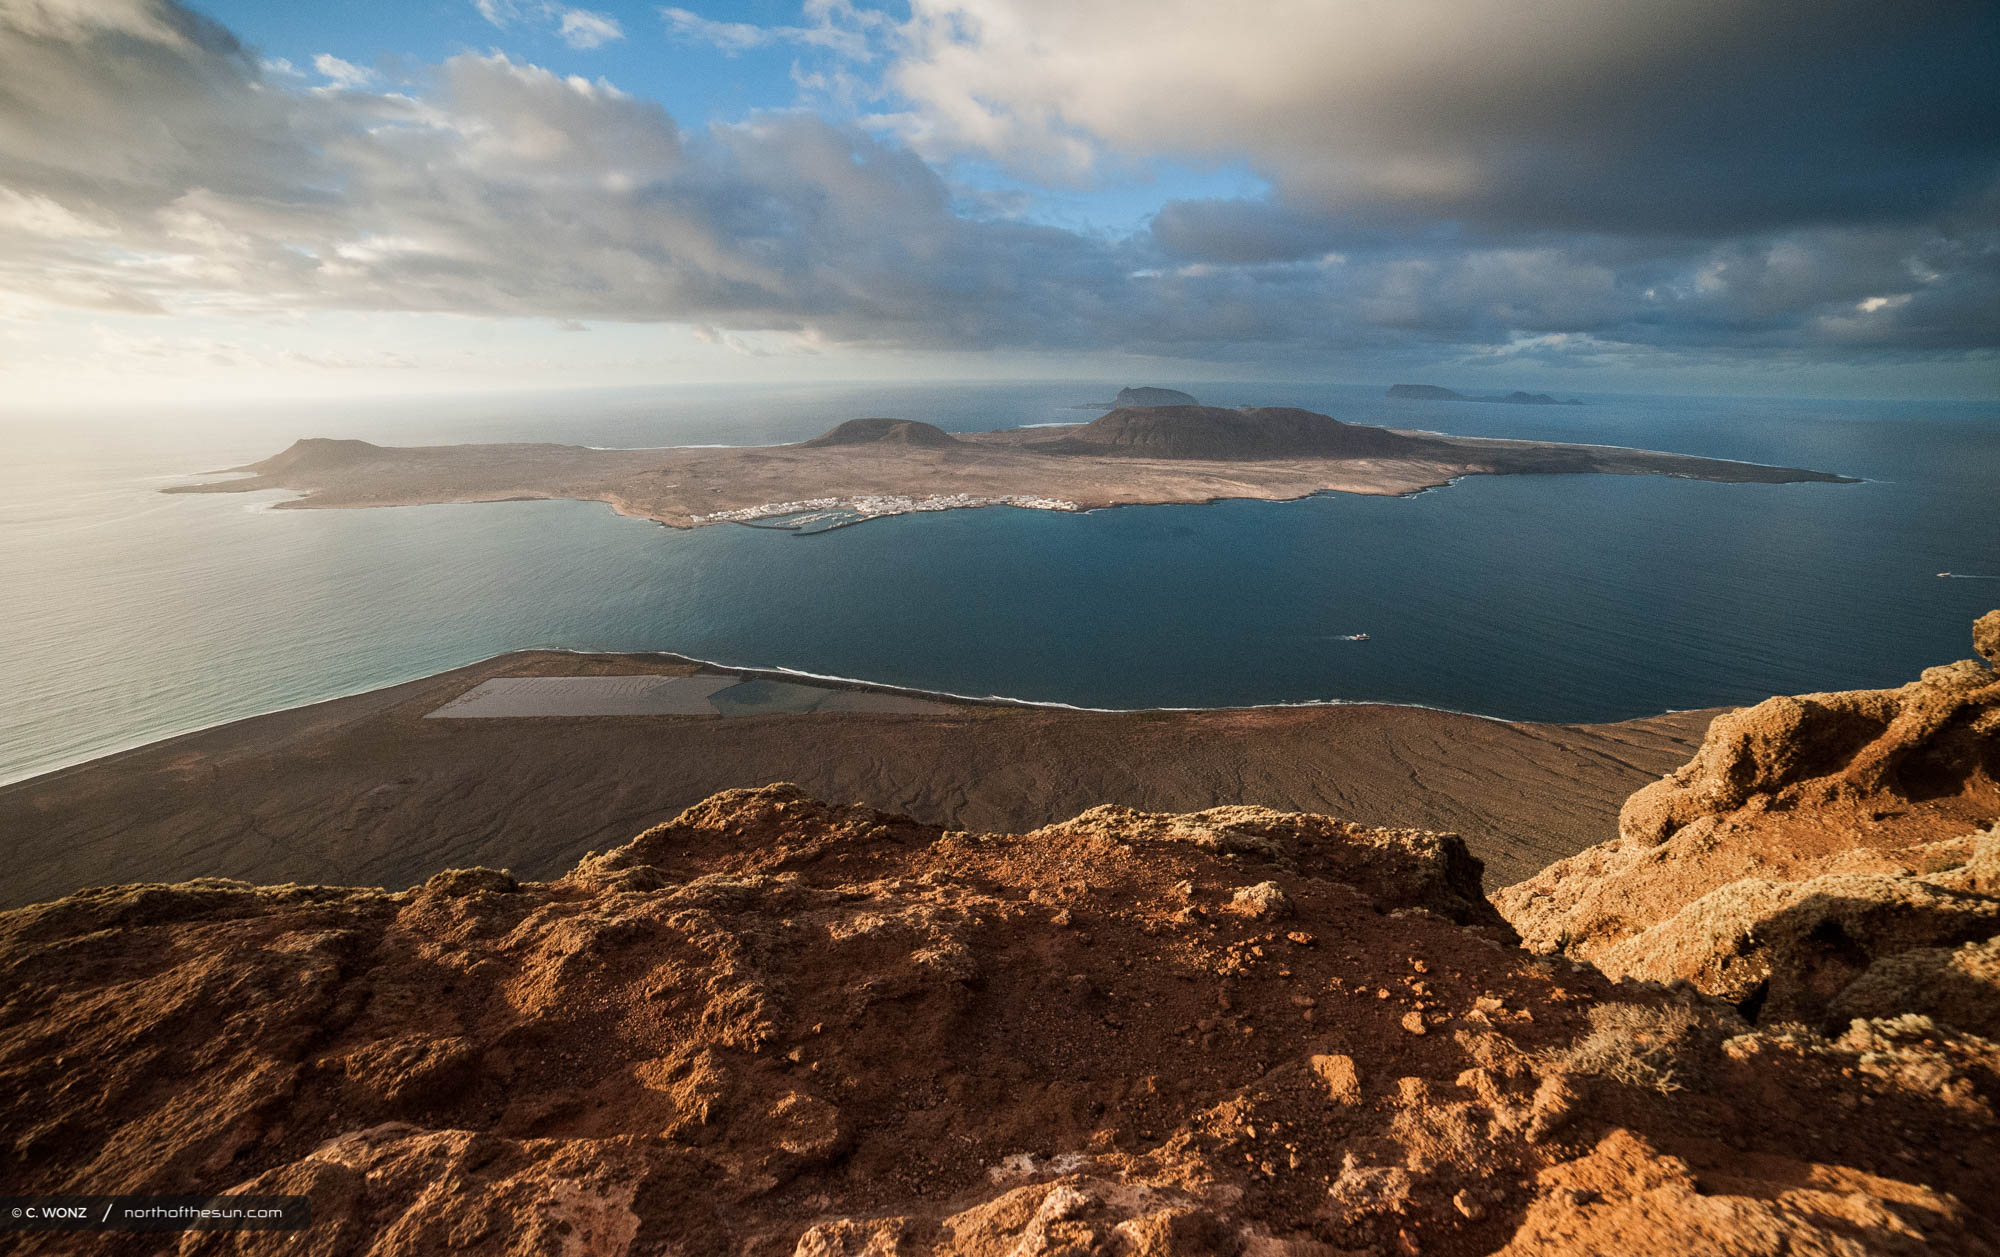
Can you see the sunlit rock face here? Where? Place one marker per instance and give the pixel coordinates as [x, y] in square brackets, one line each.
[1807, 847]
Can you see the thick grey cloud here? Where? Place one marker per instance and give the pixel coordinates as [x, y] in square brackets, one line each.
[1913, 289]
[130, 101]
[147, 162]
[1670, 115]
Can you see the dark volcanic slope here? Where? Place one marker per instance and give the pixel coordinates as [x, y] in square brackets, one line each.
[364, 790]
[883, 432]
[1212, 432]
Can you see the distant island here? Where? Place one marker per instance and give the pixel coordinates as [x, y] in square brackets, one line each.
[1146, 396]
[869, 468]
[1435, 393]
[1143, 395]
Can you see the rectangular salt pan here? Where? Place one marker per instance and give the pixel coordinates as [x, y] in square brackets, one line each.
[587, 696]
[668, 696]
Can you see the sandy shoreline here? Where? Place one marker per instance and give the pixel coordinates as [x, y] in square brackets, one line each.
[366, 790]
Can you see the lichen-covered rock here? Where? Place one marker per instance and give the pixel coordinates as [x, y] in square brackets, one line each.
[1397, 868]
[1264, 900]
[1959, 987]
[1785, 950]
[1880, 747]
[1986, 637]
[1808, 840]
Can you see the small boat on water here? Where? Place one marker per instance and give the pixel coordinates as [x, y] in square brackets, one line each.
[1354, 637]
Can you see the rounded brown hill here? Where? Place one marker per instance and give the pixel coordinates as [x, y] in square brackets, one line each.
[317, 453]
[884, 432]
[1212, 432]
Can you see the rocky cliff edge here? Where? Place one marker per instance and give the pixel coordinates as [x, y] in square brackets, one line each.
[1822, 857]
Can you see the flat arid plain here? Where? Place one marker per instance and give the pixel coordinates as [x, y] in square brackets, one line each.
[370, 789]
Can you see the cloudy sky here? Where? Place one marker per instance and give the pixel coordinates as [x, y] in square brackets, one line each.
[251, 198]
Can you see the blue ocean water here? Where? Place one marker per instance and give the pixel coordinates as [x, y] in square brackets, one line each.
[133, 615]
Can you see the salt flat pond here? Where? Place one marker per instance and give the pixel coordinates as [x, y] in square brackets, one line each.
[540, 697]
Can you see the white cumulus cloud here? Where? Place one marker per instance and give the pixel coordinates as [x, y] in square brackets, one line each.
[582, 29]
[341, 74]
[834, 25]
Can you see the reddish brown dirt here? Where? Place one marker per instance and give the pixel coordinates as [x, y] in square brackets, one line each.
[773, 1027]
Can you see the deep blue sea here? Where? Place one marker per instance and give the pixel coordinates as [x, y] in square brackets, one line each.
[131, 615]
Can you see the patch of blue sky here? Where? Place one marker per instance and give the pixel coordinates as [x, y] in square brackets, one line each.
[698, 73]
[697, 81]
[1116, 206]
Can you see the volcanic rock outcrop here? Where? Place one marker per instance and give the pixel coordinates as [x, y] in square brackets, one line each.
[1821, 857]
[772, 1026]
